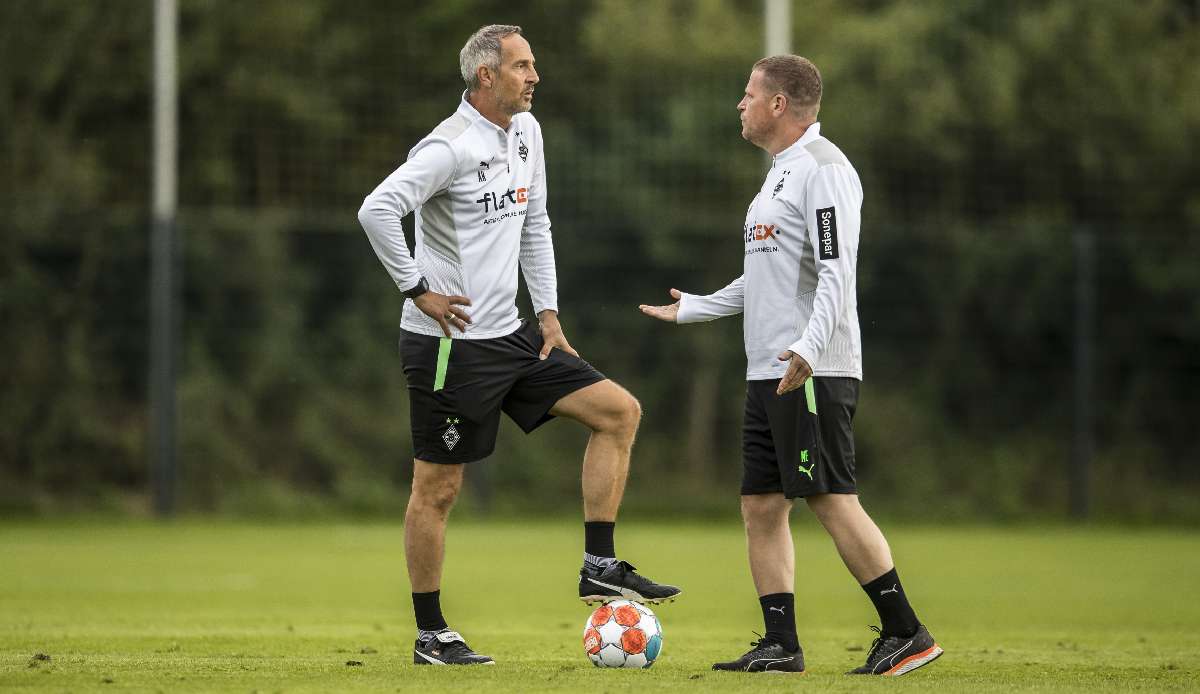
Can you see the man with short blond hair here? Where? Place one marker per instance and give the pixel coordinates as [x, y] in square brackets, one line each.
[804, 365]
[797, 79]
[477, 186]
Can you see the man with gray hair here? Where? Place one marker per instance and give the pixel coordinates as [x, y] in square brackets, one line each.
[804, 357]
[477, 186]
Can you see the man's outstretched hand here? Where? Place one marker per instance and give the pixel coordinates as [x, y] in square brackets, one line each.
[669, 313]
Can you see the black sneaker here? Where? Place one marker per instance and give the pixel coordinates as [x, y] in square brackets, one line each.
[447, 648]
[896, 655]
[619, 581]
[766, 656]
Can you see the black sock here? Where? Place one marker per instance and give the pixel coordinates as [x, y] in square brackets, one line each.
[428, 608]
[779, 616]
[890, 601]
[598, 538]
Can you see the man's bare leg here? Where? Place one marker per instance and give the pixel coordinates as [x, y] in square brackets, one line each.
[434, 490]
[773, 567]
[866, 554]
[859, 541]
[769, 542]
[613, 416]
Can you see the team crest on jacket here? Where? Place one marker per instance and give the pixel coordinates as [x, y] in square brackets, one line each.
[523, 151]
[779, 186]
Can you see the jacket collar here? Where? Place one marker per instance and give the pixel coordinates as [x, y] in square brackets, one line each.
[466, 109]
[812, 133]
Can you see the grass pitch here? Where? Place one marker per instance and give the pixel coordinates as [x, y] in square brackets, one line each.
[197, 606]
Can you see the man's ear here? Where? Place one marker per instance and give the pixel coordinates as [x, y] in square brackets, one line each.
[485, 75]
[779, 104]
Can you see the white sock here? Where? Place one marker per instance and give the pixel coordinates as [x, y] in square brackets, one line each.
[592, 561]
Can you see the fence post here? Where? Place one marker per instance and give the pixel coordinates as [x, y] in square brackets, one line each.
[164, 284]
[1083, 446]
[777, 36]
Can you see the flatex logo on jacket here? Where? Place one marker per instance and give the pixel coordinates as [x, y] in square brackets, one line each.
[762, 232]
[496, 201]
[762, 238]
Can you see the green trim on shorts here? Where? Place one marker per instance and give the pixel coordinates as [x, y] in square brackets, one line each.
[439, 379]
[810, 395]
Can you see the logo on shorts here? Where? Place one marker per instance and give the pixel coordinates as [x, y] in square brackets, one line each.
[806, 470]
[451, 437]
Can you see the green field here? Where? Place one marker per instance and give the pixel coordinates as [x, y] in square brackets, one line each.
[197, 606]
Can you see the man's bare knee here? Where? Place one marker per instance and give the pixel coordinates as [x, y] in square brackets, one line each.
[435, 493]
[620, 418]
[831, 506]
[760, 510]
[628, 416]
[438, 500]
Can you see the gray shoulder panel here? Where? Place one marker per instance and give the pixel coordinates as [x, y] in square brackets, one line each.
[825, 152]
[452, 127]
[437, 214]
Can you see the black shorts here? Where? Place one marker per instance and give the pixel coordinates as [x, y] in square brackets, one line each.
[457, 388]
[801, 443]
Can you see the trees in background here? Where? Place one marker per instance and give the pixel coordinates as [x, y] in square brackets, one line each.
[986, 136]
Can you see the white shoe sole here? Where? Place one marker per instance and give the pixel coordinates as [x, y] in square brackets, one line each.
[434, 661]
[916, 661]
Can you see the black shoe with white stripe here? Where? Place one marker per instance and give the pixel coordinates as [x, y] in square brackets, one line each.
[620, 581]
[766, 655]
[896, 655]
[447, 648]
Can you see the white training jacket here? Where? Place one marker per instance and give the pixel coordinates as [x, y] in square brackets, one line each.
[479, 193]
[797, 289]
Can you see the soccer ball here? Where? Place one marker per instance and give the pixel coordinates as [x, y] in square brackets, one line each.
[622, 634]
